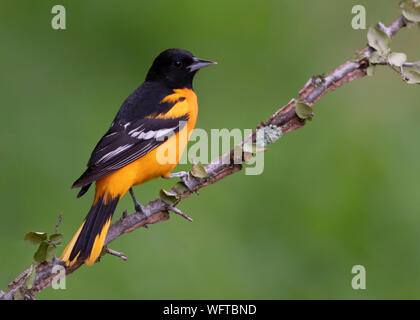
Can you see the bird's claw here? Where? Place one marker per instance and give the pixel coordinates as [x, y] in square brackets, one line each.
[141, 209]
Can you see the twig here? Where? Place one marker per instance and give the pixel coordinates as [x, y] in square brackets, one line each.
[406, 64]
[177, 211]
[60, 217]
[116, 253]
[393, 28]
[411, 64]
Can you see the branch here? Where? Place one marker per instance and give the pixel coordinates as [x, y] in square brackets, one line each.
[285, 118]
[393, 28]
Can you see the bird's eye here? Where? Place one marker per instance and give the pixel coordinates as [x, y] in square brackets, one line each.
[178, 64]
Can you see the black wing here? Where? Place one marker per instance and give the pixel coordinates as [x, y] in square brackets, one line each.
[125, 143]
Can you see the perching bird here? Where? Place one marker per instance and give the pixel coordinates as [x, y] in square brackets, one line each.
[157, 118]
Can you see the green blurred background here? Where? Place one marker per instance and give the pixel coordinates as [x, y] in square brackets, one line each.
[342, 191]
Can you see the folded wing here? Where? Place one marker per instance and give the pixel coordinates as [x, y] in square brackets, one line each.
[125, 143]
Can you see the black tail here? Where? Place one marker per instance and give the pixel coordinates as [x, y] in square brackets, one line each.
[83, 190]
[87, 243]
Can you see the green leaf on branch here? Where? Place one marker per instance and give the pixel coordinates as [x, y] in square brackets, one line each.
[410, 10]
[416, 66]
[304, 111]
[35, 237]
[19, 295]
[411, 76]
[198, 171]
[370, 70]
[41, 254]
[180, 188]
[378, 40]
[47, 246]
[50, 253]
[30, 278]
[56, 239]
[397, 58]
[169, 197]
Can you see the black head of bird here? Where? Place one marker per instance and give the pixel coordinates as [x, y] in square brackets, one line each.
[176, 68]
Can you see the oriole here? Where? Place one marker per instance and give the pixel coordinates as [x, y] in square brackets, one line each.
[154, 116]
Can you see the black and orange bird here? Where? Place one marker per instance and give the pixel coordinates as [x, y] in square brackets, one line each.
[156, 115]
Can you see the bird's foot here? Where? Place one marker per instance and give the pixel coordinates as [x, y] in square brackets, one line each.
[139, 208]
[142, 209]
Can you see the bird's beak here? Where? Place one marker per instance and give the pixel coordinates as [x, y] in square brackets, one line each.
[200, 63]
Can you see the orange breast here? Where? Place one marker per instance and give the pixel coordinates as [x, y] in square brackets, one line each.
[160, 161]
